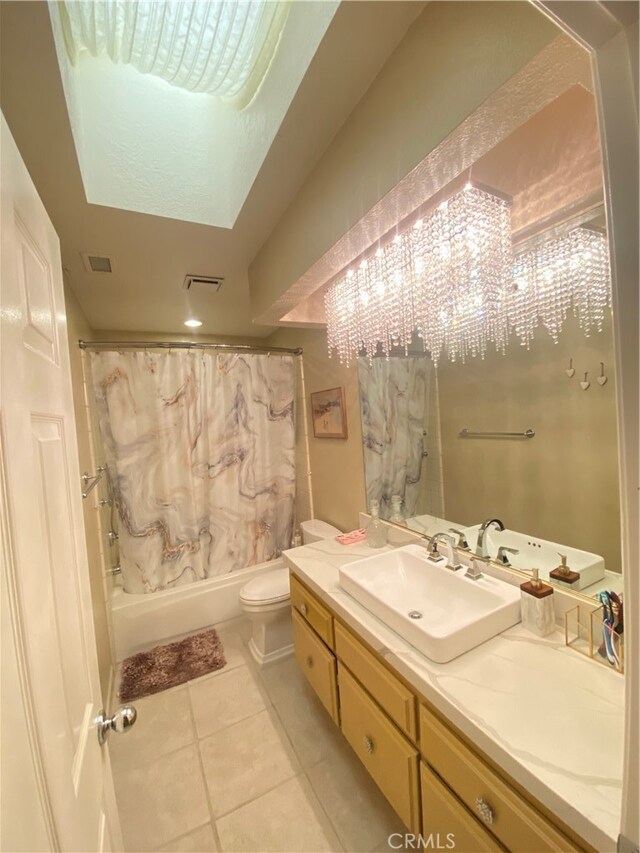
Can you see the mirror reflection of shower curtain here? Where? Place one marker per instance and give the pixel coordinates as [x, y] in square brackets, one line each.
[394, 396]
[200, 450]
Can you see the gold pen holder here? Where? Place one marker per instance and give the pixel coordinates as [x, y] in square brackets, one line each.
[585, 631]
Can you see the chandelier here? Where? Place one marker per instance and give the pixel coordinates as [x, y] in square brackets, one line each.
[453, 279]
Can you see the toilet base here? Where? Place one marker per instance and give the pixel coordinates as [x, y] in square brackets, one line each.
[271, 632]
[270, 657]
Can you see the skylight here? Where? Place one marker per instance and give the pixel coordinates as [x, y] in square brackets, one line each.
[174, 105]
[222, 48]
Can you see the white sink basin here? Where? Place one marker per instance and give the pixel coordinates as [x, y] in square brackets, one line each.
[540, 554]
[450, 612]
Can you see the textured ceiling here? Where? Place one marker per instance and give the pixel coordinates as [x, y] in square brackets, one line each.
[152, 254]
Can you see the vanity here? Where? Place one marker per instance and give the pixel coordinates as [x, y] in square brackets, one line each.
[501, 747]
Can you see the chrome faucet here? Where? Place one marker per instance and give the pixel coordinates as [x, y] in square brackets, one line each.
[436, 557]
[502, 554]
[462, 542]
[474, 572]
[481, 544]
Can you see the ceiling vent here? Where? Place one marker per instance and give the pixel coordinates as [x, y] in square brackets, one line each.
[97, 263]
[211, 282]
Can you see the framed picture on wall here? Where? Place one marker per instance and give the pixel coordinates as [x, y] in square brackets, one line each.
[329, 413]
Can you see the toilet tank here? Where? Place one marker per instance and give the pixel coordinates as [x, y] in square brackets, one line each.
[314, 530]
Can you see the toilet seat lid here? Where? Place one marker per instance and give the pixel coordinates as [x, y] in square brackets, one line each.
[318, 529]
[268, 588]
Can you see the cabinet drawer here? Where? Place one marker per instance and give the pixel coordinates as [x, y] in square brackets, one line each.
[388, 756]
[397, 700]
[312, 611]
[317, 663]
[445, 818]
[514, 821]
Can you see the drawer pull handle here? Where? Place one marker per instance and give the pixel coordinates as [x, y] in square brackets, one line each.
[309, 661]
[485, 812]
[368, 744]
[303, 609]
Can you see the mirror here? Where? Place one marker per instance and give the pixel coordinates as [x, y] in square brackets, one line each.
[528, 437]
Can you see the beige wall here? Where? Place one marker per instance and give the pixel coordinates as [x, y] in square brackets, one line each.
[115, 335]
[78, 327]
[336, 465]
[424, 91]
[561, 485]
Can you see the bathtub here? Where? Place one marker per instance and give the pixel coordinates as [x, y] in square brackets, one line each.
[140, 621]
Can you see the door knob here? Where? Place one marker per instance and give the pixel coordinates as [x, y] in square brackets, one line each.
[484, 810]
[303, 609]
[120, 722]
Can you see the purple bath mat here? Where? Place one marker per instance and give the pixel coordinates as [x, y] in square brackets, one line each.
[167, 666]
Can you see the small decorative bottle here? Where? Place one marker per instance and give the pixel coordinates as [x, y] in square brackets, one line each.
[376, 532]
[396, 510]
[563, 574]
[536, 606]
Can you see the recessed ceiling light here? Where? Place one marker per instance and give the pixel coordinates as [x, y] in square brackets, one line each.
[193, 323]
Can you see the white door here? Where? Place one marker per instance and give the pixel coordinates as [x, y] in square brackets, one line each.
[49, 743]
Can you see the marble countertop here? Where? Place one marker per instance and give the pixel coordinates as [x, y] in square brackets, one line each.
[551, 718]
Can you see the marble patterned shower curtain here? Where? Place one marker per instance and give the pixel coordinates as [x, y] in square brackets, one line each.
[393, 403]
[200, 451]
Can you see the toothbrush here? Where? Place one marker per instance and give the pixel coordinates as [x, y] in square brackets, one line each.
[607, 629]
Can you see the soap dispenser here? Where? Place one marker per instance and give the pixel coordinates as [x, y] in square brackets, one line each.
[563, 574]
[536, 606]
[376, 532]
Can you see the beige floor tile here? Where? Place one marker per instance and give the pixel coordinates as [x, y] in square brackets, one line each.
[200, 840]
[164, 724]
[114, 698]
[225, 699]
[243, 627]
[288, 819]
[310, 729]
[161, 800]
[281, 679]
[359, 813]
[235, 650]
[246, 760]
[398, 842]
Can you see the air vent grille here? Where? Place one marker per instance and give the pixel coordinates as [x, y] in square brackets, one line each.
[211, 282]
[93, 262]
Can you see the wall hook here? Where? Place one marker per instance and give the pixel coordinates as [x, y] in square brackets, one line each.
[602, 379]
[585, 382]
[570, 371]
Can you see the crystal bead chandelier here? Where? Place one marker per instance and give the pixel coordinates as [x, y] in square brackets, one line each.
[452, 278]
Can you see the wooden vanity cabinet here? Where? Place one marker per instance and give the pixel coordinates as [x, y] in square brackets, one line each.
[317, 663]
[391, 694]
[515, 822]
[444, 786]
[312, 611]
[388, 756]
[445, 818]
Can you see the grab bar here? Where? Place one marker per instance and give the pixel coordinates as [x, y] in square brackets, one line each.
[465, 433]
[90, 481]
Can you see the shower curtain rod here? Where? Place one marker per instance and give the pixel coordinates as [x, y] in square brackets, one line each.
[186, 345]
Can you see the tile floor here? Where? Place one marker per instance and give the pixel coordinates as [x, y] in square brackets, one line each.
[244, 759]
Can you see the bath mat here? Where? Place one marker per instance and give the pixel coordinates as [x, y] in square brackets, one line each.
[167, 666]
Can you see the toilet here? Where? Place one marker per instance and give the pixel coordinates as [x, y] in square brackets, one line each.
[266, 601]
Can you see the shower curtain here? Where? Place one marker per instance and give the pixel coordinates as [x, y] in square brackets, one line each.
[200, 450]
[393, 402]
